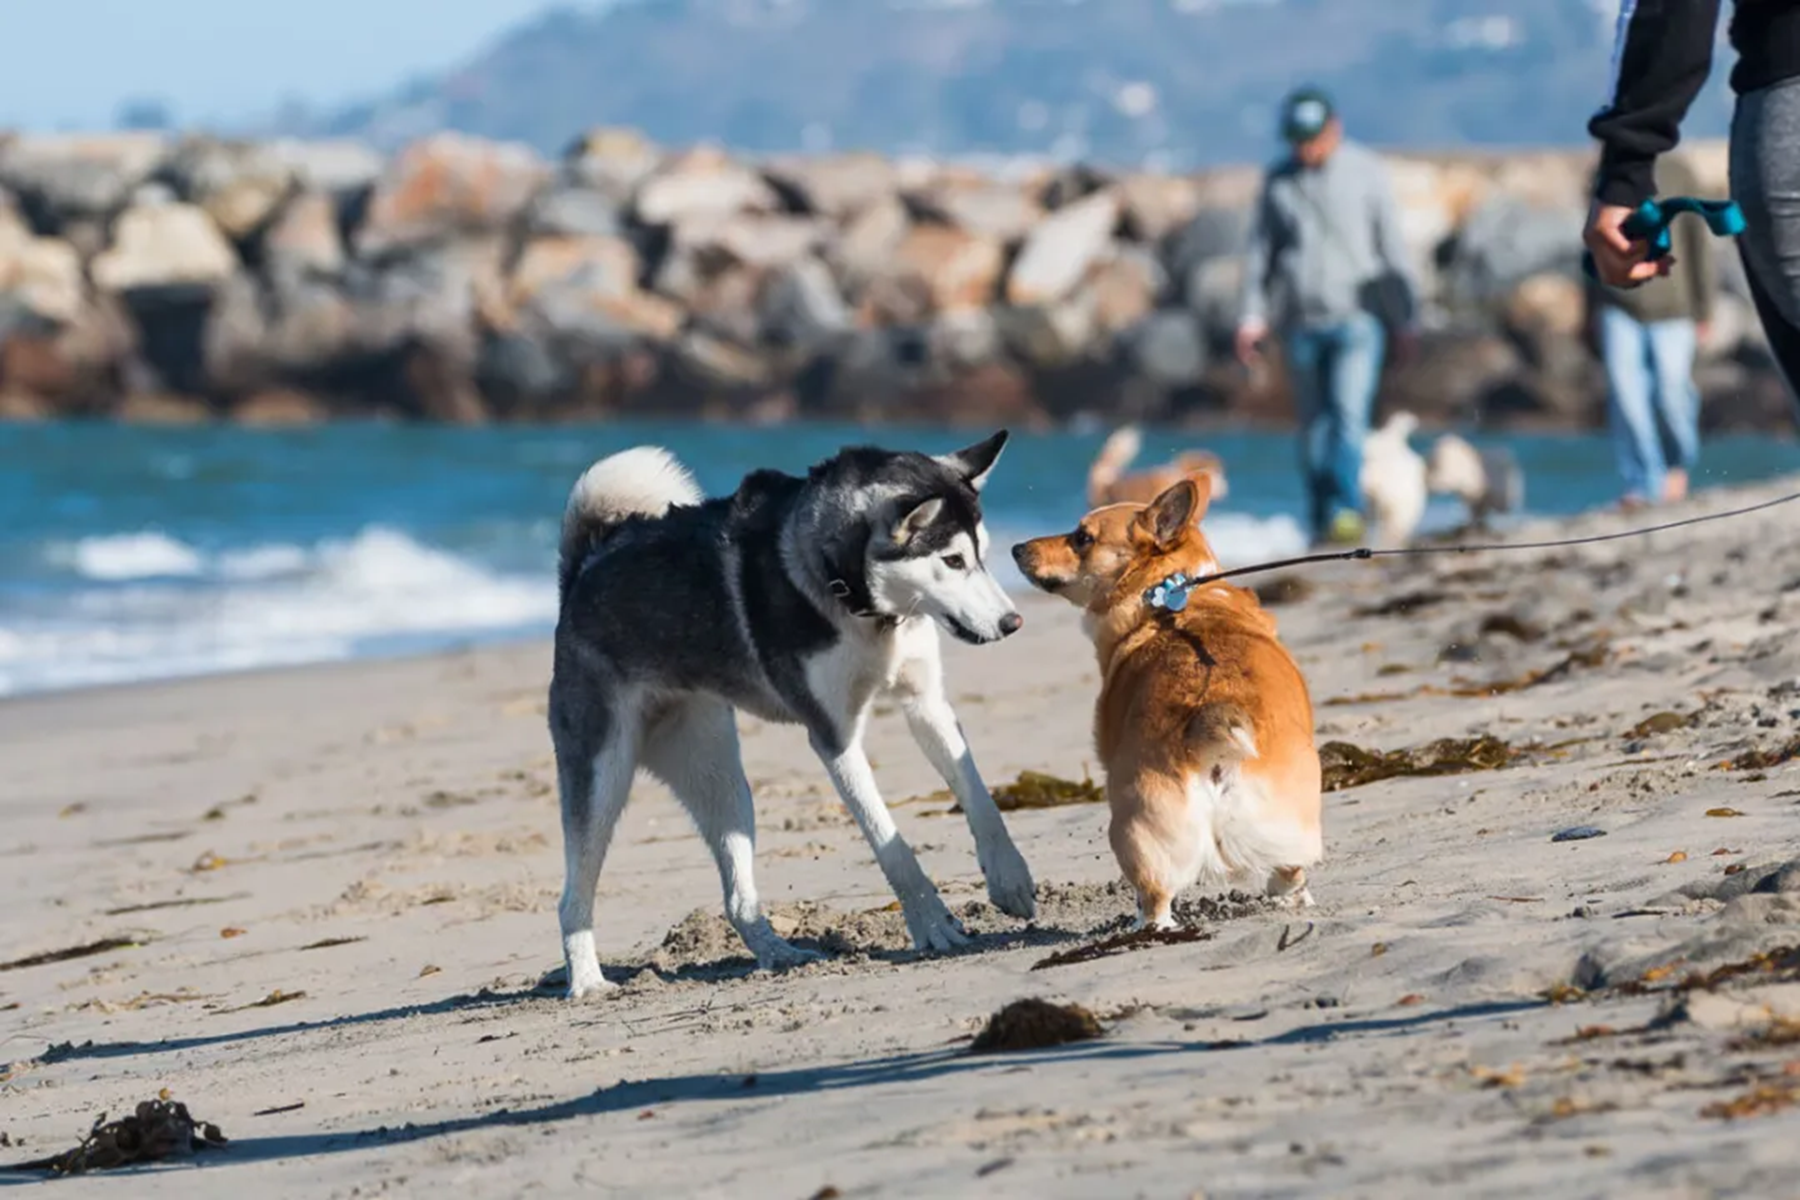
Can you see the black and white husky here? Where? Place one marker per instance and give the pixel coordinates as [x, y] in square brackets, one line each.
[797, 600]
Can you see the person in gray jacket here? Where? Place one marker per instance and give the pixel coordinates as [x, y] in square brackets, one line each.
[1326, 273]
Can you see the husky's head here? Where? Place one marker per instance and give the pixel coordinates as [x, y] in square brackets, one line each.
[927, 555]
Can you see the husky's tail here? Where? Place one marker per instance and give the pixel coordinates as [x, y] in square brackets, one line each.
[643, 481]
[1115, 455]
[1224, 732]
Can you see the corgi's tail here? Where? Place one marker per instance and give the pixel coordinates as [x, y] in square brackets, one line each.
[1223, 730]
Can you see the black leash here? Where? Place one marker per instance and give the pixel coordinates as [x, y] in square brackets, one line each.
[1364, 552]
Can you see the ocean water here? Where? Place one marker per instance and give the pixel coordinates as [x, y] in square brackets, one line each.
[130, 553]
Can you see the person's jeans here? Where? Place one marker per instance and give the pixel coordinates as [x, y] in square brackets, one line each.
[1653, 407]
[1334, 370]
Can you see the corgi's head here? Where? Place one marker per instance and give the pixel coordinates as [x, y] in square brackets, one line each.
[1123, 547]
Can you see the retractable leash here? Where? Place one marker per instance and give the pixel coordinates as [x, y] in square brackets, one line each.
[1653, 219]
[1172, 593]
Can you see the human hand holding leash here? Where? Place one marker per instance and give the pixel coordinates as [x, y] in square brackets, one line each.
[1619, 258]
[1629, 246]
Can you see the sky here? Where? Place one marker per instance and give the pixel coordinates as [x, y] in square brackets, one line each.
[69, 63]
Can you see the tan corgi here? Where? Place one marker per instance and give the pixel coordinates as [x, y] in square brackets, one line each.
[1204, 723]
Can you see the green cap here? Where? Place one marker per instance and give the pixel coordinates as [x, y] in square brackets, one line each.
[1305, 114]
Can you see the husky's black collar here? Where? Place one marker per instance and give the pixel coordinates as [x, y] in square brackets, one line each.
[858, 602]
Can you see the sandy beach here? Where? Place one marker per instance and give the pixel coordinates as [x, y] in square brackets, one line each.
[329, 896]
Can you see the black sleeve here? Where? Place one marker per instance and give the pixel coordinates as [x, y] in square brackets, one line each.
[1661, 59]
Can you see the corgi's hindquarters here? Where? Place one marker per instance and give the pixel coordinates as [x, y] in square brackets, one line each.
[1215, 823]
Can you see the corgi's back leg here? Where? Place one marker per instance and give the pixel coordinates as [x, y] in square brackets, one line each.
[1288, 884]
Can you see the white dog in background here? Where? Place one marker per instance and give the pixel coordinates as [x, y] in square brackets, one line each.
[1393, 482]
[1487, 481]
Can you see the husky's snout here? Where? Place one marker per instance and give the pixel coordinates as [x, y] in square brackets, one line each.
[1010, 624]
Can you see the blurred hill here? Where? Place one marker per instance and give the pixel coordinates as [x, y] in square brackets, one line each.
[1168, 83]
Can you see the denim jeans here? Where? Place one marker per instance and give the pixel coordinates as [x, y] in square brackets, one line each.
[1653, 407]
[1334, 370]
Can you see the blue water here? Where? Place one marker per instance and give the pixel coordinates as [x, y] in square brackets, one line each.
[134, 553]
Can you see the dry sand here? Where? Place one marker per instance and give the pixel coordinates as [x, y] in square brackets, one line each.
[338, 889]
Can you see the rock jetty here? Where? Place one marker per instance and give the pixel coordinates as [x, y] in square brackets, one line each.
[145, 277]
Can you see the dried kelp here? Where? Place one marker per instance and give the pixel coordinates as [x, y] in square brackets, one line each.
[160, 1129]
[103, 946]
[1123, 943]
[1759, 759]
[1034, 789]
[1283, 589]
[1348, 766]
[1036, 1025]
[1404, 604]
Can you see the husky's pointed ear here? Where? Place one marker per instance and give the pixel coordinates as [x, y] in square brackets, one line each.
[915, 522]
[974, 463]
[1171, 513]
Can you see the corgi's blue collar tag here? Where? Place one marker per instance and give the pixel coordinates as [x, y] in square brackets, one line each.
[1171, 594]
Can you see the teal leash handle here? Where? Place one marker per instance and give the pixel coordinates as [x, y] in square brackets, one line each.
[1653, 219]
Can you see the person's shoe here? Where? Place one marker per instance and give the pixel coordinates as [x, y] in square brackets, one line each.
[1346, 529]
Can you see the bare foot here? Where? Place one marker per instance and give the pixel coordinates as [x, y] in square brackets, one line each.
[1675, 486]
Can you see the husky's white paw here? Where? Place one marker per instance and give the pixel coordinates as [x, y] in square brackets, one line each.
[1009, 883]
[932, 925]
[775, 954]
[583, 966]
[587, 987]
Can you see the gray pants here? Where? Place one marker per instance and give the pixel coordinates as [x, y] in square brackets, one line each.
[1765, 181]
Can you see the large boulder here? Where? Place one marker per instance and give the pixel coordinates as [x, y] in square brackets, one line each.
[1167, 348]
[238, 184]
[599, 266]
[1125, 287]
[1157, 206]
[1504, 241]
[67, 178]
[305, 240]
[1006, 214]
[258, 336]
[864, 249]
[761, 240]
[336, 167]
[580, 297]
[161, 245]
[448, 186]
[1062, 249]
[951, 268]
[802, 309]
[703, 183]
[1050, 337]
[836, 187]
[40, 278]
[573, 210]
[611, 162]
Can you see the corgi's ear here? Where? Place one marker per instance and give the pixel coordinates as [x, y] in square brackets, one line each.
[1171, 514]
[975, 462]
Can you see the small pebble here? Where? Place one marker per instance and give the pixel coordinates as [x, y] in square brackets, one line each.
[1577, 833]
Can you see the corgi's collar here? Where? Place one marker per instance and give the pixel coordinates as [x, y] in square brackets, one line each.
[1172, 593]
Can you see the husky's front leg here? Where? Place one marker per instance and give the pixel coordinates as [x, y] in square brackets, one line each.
[920, 687]
[928, 920]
